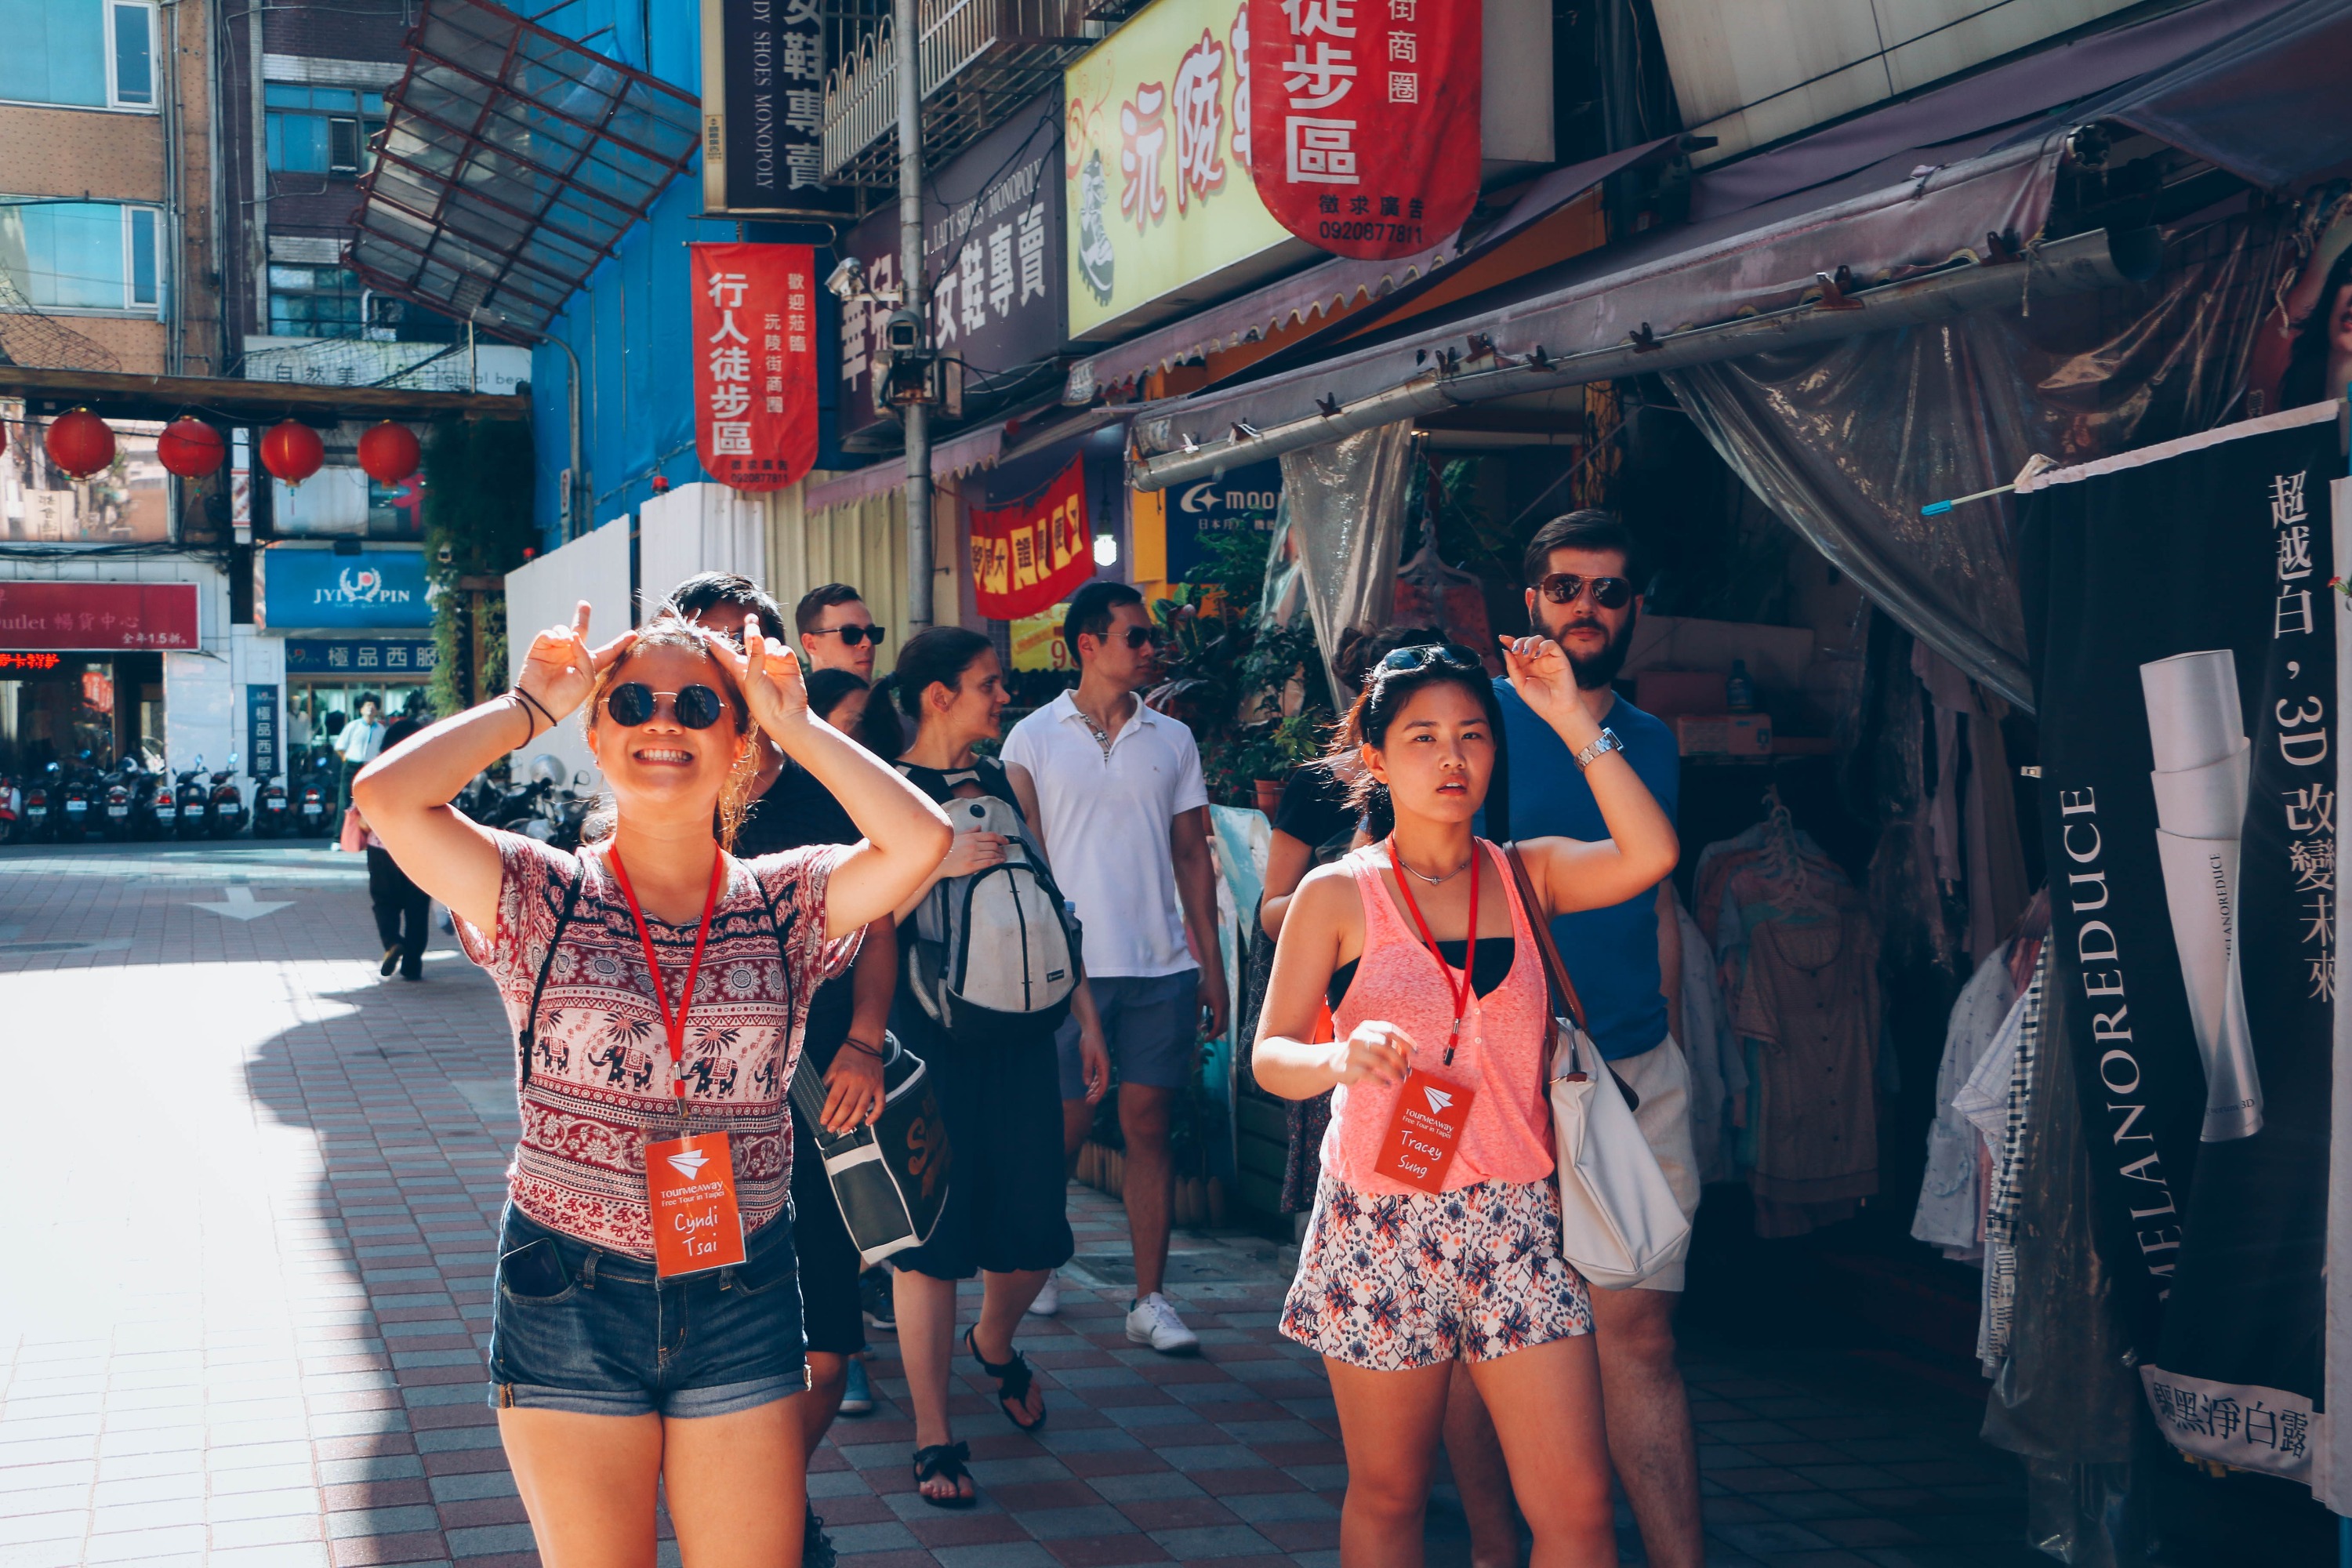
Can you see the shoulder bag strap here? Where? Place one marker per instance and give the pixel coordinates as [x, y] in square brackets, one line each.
[530, 1037]
[1563, 988]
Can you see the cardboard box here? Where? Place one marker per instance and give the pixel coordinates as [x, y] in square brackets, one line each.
[1670, 693]
[1723, 735]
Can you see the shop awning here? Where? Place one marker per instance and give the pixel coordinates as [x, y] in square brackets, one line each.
[513, 162]
[233, 400]
[951, 458]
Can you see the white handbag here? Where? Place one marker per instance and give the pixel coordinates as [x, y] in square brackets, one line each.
[1619, 1220]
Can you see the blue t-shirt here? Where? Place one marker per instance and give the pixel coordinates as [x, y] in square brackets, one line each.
[1612, 954]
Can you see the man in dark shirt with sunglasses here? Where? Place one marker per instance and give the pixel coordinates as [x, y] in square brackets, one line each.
[837, 631]
[1626, 962]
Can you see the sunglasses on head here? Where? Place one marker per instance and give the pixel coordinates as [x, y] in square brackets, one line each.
[851, 636]
[633, 703]
[1415, 655]
[1567, 587]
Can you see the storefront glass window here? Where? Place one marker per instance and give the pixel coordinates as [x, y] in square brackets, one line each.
[127, 503]
[54, 708]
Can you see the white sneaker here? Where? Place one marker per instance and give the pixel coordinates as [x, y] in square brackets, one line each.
[1049, 1299]
[1153, 1321]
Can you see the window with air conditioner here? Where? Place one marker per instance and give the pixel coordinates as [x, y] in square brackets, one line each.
[81, 257]
[79, 54]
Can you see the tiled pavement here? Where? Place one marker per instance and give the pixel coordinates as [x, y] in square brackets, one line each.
[250, 1243]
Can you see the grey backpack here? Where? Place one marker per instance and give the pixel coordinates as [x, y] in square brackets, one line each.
[997, 943]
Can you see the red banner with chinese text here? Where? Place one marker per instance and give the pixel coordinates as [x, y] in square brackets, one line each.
[755, 362]
[96, 617]
[1364, 128]
[1036, 553]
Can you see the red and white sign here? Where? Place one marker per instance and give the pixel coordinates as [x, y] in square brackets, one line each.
[1364, 128]
[98, 617]
[1027, 557]
[754, 363]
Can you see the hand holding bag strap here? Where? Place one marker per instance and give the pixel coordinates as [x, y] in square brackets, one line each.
[529, 1039]
[1563, 989]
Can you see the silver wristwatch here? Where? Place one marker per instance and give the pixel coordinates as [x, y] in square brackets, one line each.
[1606, 741]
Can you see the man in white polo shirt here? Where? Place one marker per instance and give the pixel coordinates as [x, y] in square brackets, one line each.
[1116, 790]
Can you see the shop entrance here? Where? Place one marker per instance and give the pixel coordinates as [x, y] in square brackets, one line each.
[70, 708]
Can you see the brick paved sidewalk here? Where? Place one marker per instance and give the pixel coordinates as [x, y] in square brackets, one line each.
[253, 1236]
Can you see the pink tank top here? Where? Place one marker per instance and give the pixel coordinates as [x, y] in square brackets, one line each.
[1500, 1055]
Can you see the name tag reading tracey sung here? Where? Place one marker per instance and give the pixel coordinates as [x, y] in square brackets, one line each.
[1425, 1130]
[691, 1182]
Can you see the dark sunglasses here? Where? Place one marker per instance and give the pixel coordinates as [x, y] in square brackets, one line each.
[633, 703]
[1145, 636]
[1415, 655]
[850, 636]
[1567, 587]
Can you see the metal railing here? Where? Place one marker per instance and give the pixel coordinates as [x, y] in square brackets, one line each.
[978, 58]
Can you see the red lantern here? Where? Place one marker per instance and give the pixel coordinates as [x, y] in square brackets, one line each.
[81, 443]
[389, 453]
[190, 448]
[293, 451]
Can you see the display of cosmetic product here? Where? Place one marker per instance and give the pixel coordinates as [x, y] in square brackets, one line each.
[2204, 761]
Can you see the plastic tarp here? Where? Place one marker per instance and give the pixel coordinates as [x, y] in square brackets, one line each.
[2266, 104]
[1346, 500]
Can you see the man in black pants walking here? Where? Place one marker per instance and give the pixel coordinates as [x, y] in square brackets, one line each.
[403, 910]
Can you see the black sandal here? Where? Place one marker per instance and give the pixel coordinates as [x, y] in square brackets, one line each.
[1011, 1381]
[945, 1461]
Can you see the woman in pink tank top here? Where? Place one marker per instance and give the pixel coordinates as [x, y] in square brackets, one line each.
[1435, 1234]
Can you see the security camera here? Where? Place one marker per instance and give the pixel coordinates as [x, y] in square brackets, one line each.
[904, 331]
[848, 280]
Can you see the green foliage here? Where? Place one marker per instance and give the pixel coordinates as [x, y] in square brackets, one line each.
[478, 524]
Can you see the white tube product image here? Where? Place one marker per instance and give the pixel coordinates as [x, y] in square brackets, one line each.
[2198, 733]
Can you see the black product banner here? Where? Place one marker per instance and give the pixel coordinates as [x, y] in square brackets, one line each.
[2184, 644]
[764, 69]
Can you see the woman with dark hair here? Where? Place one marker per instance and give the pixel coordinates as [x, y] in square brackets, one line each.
[1419, 1254]
[999, 1088]
[646, 1333]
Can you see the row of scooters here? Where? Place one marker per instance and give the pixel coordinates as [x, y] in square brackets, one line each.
[69, 802]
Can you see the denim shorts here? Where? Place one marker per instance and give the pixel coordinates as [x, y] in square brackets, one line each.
[578, 1329]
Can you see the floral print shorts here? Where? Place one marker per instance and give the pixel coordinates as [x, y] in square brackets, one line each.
[1391, 1283]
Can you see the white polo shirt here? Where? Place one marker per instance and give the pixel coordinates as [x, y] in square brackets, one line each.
[1106, 824]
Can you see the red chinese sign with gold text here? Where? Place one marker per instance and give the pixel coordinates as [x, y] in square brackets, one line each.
[1033, 554]
[1363, 119]
[754, 363]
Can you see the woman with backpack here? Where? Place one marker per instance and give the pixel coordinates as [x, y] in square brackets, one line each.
[645, 1336]
[996, 1074]
[1435, 1234]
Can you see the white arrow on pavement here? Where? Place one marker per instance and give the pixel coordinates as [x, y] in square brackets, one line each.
[240, 905]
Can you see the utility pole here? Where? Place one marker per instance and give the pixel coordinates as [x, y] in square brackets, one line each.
[917, 412]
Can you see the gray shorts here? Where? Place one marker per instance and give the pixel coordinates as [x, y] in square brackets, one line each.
[1151, 1023]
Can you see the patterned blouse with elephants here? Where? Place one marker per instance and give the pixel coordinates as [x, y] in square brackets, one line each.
[600, 1084]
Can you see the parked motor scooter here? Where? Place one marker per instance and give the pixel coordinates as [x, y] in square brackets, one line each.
[150, 798]
[40, 806]
[271, 816]
[193, 800]
[115, 799]
[228, 802]
[77, 793]
[313, 806]
[11, 802]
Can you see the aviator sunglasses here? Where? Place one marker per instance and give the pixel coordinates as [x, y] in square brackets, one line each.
[1567, 587]
[633, 703]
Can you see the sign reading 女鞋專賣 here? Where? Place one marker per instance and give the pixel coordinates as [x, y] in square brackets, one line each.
[763, 110]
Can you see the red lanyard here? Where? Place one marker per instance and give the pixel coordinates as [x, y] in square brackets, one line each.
[1460, 994]
[675, 1025]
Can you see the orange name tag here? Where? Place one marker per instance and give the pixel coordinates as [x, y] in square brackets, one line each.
[691, 1183]
[1424, 1132]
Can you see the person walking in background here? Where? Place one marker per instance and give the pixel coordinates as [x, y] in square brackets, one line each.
[788, 807]
[622, 1374]
[837, 631]
[1116, 792]
[403, 911]
[1411, 1274]
[998, 1082]
[358, 745]
[1626, 959]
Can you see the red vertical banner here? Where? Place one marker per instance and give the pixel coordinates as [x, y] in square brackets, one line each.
[755, 362]
[1034, 553]
[1363, 119]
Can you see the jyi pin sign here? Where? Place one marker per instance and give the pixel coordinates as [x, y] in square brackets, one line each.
[691, 1182]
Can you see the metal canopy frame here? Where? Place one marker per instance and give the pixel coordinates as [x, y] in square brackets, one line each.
[512, 161]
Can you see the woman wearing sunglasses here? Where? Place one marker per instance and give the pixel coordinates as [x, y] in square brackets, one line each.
[1436, 1232]
[658, 988]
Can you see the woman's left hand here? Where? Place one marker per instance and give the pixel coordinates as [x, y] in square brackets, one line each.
[771, 677]
[853, 1088]
[1542, 676]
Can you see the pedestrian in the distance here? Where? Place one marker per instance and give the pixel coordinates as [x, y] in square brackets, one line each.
[403, 911]
[1115, 790]
[999, 1086]
[1426, 1249]
[361, 739]
[658, 988]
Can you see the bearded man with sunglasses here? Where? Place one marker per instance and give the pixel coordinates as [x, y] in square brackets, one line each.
[1626, 961]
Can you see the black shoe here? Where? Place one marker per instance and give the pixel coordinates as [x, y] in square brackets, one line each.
[875, 1296]
[816, 1547]
[391, 961]
[412, 974]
